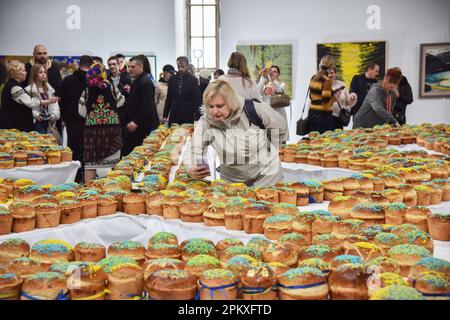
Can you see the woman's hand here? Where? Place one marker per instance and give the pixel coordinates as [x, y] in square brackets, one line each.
[198, 172]
[353, 97]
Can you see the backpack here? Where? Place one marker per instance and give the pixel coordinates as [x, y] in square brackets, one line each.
[253, 117]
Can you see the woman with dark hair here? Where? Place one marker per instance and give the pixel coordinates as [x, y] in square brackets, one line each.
[147, 68]
[161, 89]
[102, 134]
[378, 105]
[240, 79]
[273, 86]
[218, 73]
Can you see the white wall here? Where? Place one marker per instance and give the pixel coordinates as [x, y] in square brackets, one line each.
[405, 24]
[107, 27]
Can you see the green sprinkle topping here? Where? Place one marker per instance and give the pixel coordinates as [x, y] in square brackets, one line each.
[318, 250]
[218, 274]
[120, 245]
[162, 237]
[110, 262]
[298, 272]
[346, 258]
[434, 279]
[396, 206]
[434, 264]
[87, 245]
[199, 247]
[410, 249]
[13, 242]
[236, 250]
[397, 292]
[291, 236]
[386, 238]
[314, 263]
[279, 218]
[50, 249]
[202, 260]
[47, 276]
[7, 276]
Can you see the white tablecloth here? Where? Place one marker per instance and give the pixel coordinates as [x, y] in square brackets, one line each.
[106, 230]
[300, 171]
[46, 174]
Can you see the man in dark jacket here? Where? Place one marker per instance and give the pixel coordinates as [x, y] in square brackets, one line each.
[141, 116]
[404, 97]
[362, 83]
[40, 55]
[183, 96]
[71, 90]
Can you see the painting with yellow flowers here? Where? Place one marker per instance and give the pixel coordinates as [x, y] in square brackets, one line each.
[352, 58]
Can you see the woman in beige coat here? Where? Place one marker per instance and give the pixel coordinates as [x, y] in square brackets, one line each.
[247, 153]
[161, 89]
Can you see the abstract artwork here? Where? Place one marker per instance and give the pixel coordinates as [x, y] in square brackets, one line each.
[280, 55]
[352, 58]
[434, 70]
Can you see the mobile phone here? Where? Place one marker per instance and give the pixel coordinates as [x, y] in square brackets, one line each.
[203, 162]
[339, 89]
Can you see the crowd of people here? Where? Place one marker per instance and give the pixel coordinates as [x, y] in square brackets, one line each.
[108, 110]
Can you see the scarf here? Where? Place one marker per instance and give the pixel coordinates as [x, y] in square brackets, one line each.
[97, 77]
[234, 72]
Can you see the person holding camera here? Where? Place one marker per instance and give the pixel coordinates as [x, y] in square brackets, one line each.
[344, 100]
[274, 86]
[320, 116]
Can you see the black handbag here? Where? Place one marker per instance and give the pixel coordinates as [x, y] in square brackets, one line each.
[303, 124]
[344, 115]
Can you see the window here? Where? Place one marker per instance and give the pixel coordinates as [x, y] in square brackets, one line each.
[202, 33]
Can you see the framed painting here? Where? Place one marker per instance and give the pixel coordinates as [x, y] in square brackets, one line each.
[352, 58]
[67, 64]
[279, 54]
[434, 70]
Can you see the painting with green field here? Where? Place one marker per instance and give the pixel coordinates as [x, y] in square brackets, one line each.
[352, 58]
[280, 55]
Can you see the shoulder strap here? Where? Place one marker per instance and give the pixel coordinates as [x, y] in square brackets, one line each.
[304, 104]
[253, 117]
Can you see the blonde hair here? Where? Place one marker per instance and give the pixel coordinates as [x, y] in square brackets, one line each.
[238, 61]
[13, 68]
[327, 62]
[34, 73]
[225, 90]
